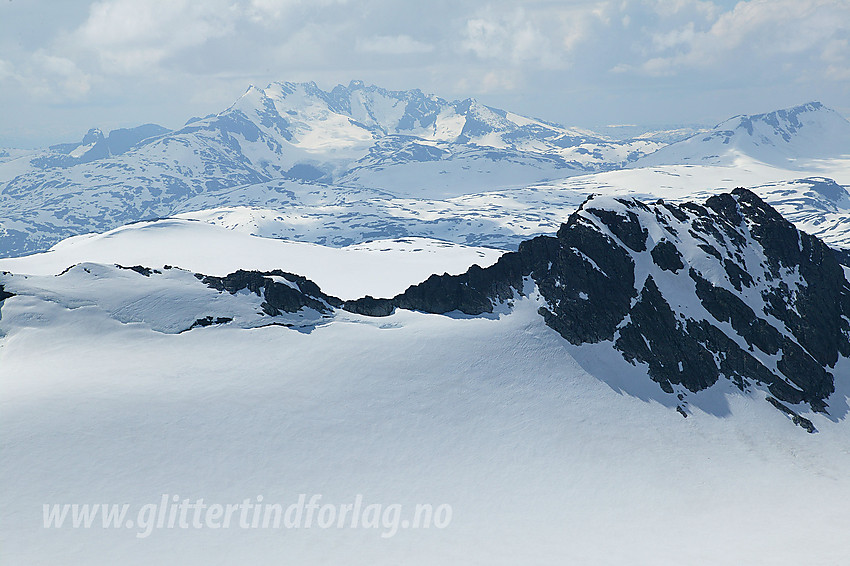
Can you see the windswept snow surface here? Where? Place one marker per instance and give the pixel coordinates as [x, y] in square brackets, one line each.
[541, 462]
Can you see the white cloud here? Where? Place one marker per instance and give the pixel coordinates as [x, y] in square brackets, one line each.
[543, 35]
[263, 11]
[130, 36]
[541, 57]
[392, 44]
[48, 77]
[6, 70]
[674, 38]
[776, 31]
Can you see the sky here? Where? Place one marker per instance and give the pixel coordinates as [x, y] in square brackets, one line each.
[69, 65]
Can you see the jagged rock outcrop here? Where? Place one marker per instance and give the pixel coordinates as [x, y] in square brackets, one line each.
[697, 293]
[4, 294]
[281, 291]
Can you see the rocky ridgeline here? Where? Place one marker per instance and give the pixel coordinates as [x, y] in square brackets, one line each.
[281, 292]
[697, 293]
[729, 289]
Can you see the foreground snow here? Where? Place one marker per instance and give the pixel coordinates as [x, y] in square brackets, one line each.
[541, 462]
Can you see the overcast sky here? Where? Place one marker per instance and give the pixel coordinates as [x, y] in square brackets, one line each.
[67, 65]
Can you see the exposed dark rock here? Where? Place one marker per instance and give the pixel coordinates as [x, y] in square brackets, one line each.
[626, 228]
[725, 306]
[737, 276]
[586, 278]
[726, 206]
[370, 306]
[806, 373]
[4, 294]
[666, 256]
[711, 250]
[590, 285]
[802, 422]
[473, 292]
[654, 336]
[279, 297]
[146, 271]
[209, 321]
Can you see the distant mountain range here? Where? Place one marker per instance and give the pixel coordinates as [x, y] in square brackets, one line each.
[402, 142]
[293, 147]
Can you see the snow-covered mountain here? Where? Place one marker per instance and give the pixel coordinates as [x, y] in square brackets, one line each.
[357, 137]
[541, 461]
[687, 293]
[346, 272]
[783, 137]
[729, 289]
[504, 218]
[359, 163]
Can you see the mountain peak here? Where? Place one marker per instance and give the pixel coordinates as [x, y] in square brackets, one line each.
[750, 294]
[780, 137]
[94, 135]
[786, 120]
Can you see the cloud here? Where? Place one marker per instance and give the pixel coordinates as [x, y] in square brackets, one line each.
[540, 57]
[776, 32]
[265, 11]
[543, 36]
[130, 36]
[392, 44]
[48, 77]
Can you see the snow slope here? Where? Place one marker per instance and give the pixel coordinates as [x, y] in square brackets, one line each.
[548, 452]
[381, 268]
[537, 458]
[787, 137]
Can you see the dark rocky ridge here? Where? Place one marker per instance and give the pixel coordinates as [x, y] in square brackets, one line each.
[297, 293]
[696, 293]
[588, 276]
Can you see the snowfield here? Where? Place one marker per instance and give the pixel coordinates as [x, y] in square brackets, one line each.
[815, 200]
[382, 268]
[537, 458]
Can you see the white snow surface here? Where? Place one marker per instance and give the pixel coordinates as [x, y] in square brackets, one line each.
[548, 453]
[542, 462]
[789, 137]
[815, 200]
[381, 268]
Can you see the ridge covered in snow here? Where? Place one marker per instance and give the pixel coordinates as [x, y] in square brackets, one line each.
[786, 137]
[688, 293]
[634, 369]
